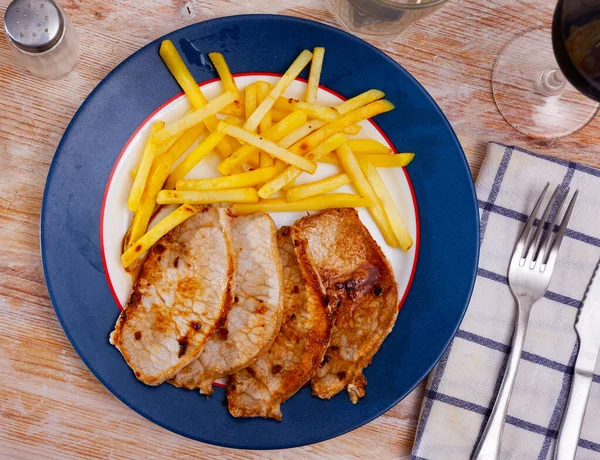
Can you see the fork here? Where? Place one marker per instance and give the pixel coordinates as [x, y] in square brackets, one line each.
[530, 269]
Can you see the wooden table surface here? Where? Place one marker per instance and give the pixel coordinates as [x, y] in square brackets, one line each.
[50, 404]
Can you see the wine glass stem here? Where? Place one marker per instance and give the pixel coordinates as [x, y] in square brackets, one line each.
[551, 82]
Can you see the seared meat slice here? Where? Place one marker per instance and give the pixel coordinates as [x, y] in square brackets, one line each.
[255, 316]
[361, 290]
[179, 299]
[292, 360]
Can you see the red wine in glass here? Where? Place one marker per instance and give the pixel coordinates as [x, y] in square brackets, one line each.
[576, 43]
[546, 82]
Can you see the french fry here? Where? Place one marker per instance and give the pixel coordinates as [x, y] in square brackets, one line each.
[162, 148]
[315, 203]
[352, 129]
[364, 187]
[165, 146]
[289, 185]
[319, 187]
[288, 77]
[238, 195]
[312, 88]
[234, 143]
[397, 160]
[320, 112]
[194, 118]
[234, 121]
[156, 233]
[278, 115]
[263, 89]
[280, 166]
[265, 160]
[253, 162]
[222, 69]
[330, 158]
[179, 70]
[227, 146]
[278, 182]
[359, 101]
[268, 146]
[370, 146]
[391, 211]
[274, 133]
[193, 158]
[250, 99]
[362, 113]
[329, 145]
[246, 179]
[235, 109]
[300, 133]
[139, 183]
[181, 146]
[141, 218]
[292, 172]
[238, 170]
[250, 104]
[156, 178]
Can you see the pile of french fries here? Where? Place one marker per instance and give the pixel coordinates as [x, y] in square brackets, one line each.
[265, 142]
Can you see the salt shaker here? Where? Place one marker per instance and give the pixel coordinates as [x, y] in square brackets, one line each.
[42, 37]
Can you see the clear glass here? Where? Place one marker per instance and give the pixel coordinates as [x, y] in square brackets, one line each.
[531, 92]
[56, 62]
[381, 19]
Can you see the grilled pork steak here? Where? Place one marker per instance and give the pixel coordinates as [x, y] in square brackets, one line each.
[292, 360]
[179, 299]
[255, 316]
[360, 289]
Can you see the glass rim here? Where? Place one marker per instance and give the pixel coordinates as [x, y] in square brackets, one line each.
[411, 6]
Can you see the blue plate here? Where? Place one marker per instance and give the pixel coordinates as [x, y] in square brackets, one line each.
[443, 187]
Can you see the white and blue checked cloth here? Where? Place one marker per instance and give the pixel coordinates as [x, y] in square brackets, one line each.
[462, 388]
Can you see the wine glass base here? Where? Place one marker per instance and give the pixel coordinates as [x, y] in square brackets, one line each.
[520, 100]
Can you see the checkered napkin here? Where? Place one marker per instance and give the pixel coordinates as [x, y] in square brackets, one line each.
[462, 388]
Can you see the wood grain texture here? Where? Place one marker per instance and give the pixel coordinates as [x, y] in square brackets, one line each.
[50, 404]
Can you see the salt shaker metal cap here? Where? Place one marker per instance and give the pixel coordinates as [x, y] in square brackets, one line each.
[41, 37]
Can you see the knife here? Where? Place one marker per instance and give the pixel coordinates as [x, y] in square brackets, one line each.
[587, 326]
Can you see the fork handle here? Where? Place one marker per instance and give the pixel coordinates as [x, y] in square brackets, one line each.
[491, 440]
[570, 428]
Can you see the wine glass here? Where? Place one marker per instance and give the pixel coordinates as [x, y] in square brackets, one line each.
[546, 83]
[381, 19]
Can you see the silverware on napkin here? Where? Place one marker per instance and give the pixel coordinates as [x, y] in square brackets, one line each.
[587, 326]
[530, 269]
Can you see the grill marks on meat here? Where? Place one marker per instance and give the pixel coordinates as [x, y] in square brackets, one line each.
[294, 357]
[179, 299]
[255, 316]
[361, 289]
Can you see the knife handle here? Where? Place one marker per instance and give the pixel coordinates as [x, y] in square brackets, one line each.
[570, 428]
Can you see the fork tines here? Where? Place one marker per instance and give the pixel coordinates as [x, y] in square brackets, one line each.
[536, 245]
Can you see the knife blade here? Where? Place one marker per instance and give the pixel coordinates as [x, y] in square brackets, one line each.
[587, 326]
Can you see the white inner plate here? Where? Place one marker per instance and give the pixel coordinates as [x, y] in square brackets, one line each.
[116, 217]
